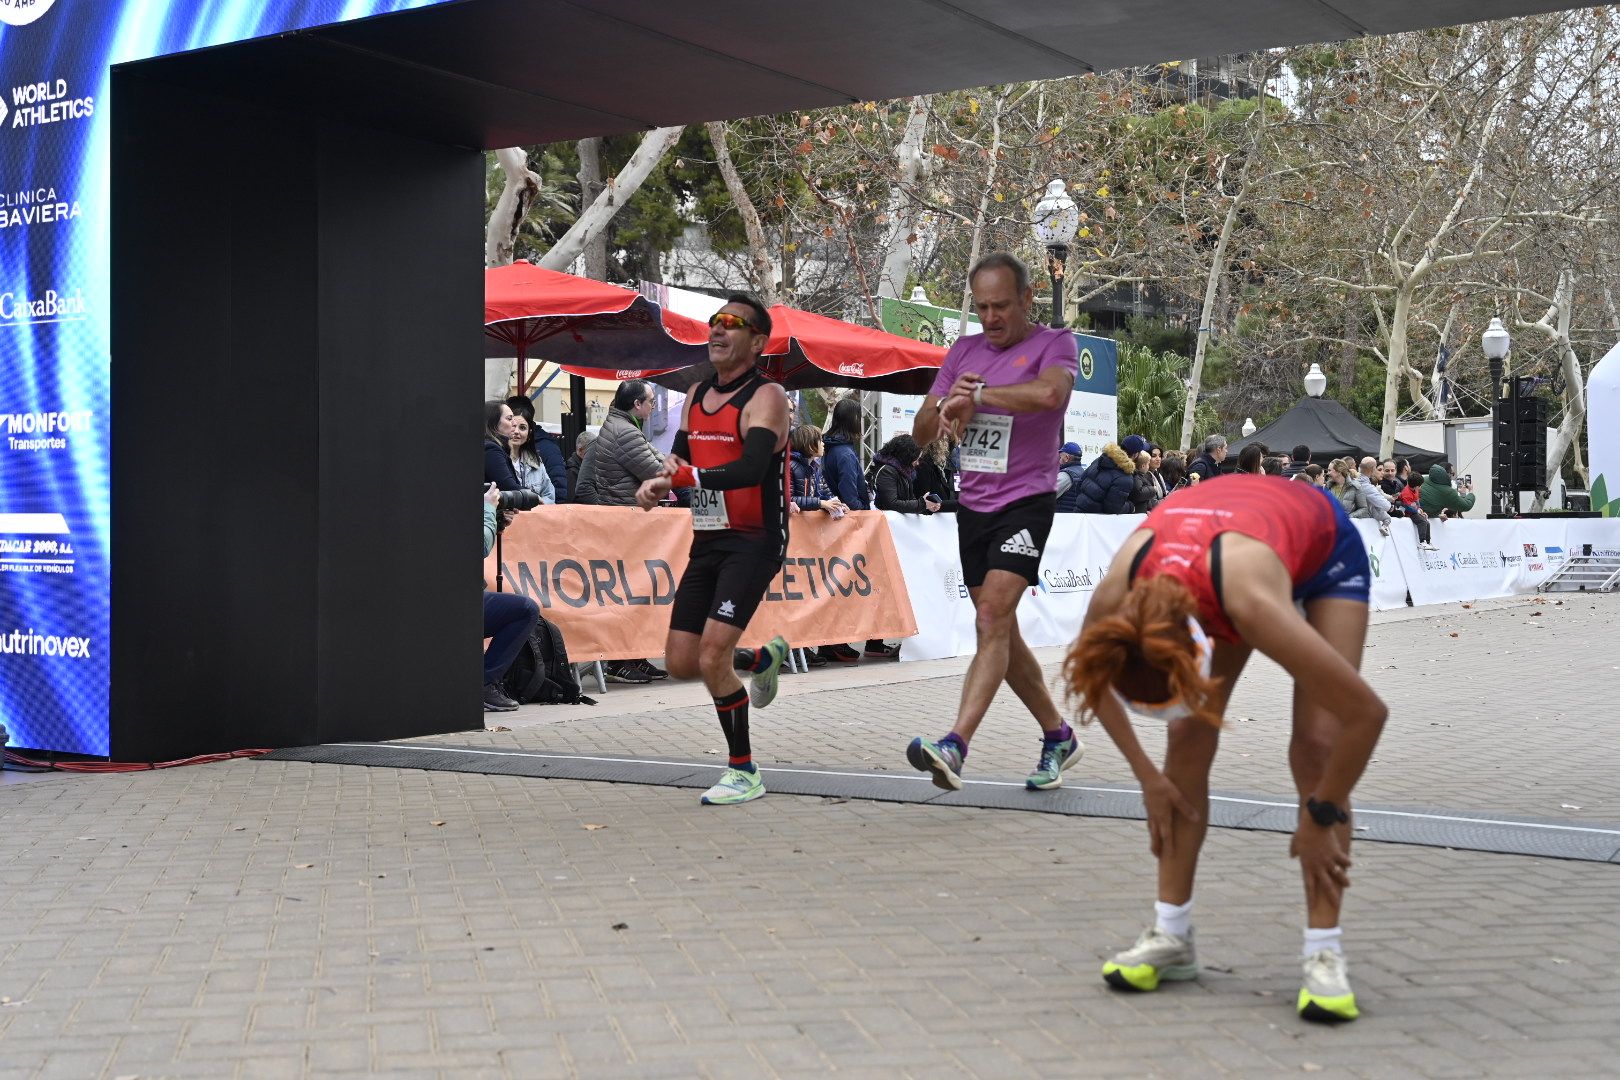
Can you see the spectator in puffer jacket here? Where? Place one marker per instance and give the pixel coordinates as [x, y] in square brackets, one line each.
[620, 458]
[1108, 482]
[1070, 470]
[497, 447]
[810, 491]
[1437, 496]
[894, 472]
[842, 464]
[546, 446]
[616, 463]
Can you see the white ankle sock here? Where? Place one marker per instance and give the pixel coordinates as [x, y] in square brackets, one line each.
[1173, 918]
[1316, 940]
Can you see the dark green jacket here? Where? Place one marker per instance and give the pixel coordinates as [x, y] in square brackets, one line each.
[1437, 494]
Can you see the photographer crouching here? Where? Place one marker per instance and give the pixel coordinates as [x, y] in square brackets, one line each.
[508, 617]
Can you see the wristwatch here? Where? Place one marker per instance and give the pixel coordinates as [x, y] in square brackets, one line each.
[978, 394]
[1325, 814]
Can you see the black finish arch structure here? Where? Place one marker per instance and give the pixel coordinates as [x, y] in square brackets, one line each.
[296, 288]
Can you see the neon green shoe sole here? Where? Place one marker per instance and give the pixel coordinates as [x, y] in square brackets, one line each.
[762, 687]
[1327, 1010]
[1145, 977]
[735, 786]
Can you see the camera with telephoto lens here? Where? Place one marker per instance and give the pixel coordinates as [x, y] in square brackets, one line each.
[518, 499]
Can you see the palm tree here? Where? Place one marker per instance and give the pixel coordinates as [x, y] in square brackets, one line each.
[1152, 393]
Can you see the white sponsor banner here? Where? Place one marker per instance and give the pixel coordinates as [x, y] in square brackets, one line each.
[1474, 560]
[1385, 555]
[939, 599]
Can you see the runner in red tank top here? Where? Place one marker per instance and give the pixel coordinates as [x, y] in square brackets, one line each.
[1233, 564]
[732, 453]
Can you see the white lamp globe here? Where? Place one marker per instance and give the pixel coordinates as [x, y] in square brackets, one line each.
[1315, 381]
[1057, 218]
[918, 295]
[1495, 341]
[1248, 426]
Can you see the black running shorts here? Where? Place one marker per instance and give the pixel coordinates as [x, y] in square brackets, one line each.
[726, 586]
[1011, 538]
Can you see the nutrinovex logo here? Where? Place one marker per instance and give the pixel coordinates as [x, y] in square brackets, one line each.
[23, 12]
[28, 643]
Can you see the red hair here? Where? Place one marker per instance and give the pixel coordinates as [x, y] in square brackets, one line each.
[1145, 645]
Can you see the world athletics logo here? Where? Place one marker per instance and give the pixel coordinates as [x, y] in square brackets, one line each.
[23, 12]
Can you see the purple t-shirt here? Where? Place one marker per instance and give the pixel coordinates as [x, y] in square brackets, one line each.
[1031, 453]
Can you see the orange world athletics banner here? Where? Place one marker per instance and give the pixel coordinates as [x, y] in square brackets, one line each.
[606, 575]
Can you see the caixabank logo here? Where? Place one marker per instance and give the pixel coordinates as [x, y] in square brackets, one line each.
[23, 12]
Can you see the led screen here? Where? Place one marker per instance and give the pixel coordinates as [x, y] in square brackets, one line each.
[55, 358]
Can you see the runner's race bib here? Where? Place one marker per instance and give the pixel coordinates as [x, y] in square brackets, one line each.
[709, 510]
[985, 443]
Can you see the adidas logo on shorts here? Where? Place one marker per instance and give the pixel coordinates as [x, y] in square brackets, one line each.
[1022, 544]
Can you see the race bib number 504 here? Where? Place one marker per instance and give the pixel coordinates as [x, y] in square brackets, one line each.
[985, 443]
[709, 510]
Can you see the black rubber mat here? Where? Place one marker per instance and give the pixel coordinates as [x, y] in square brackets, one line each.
[1463, 830]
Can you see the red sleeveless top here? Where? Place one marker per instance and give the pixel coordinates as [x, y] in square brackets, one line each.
[757, 515]
[1295, 519]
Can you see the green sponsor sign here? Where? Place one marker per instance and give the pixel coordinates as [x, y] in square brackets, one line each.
[922, 322]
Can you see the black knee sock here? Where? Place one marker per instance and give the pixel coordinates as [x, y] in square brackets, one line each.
[733, 713]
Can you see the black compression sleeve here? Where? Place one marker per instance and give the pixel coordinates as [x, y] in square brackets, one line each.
[759, 444]
[681, 448]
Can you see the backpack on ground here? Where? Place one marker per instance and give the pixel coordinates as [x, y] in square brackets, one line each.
[541, 673]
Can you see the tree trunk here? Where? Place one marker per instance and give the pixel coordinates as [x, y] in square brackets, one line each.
[1555, 324]
[762, 273]
[590, 186]
[1212, 283]
[1395, 364]
[913, 164]
[984, 208]
[522, 187]
[594, 221]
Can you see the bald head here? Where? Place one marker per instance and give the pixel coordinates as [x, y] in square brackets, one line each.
[1369, 466]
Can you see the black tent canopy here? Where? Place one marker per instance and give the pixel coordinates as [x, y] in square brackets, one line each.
[1331, 431]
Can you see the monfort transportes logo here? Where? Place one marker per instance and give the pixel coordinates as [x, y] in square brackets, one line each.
[23, 12]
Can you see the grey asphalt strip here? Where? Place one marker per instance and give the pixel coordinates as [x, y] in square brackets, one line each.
[1427, 827]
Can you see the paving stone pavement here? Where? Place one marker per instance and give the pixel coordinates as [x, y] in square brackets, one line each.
[283, 919]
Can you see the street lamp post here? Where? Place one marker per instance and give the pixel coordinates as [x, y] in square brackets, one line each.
[1496, 343]
[1057, 219]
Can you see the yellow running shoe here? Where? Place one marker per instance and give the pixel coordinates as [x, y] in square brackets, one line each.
[1156, 956]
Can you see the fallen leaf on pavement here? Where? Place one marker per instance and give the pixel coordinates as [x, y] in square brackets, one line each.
[498, 727]
[305, 866]
[1454, 633]
[592, 828]
[621, 926]
[436, 824]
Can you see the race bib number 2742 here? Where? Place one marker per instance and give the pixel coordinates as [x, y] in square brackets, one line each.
[985, 443]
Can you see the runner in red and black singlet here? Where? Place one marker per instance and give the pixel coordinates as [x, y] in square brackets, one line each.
[750, 520]
[1239, 563]
[731, 453]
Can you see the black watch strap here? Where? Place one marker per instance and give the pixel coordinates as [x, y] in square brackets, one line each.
[1325, 814]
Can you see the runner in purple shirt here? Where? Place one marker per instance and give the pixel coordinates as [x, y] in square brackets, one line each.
[1004, 393]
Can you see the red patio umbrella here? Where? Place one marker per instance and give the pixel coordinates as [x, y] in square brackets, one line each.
[807, 350]
[595, 328]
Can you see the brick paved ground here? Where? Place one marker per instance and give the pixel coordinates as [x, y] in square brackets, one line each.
[283, 919]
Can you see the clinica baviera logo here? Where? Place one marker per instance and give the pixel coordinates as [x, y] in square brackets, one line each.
[36, 206]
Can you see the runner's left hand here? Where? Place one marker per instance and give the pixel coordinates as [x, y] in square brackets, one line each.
[1322, 858]
[955, 413]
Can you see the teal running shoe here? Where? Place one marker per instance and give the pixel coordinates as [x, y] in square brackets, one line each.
[942, 759]
[735, 786]
[762, 688]
[1055, 757]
